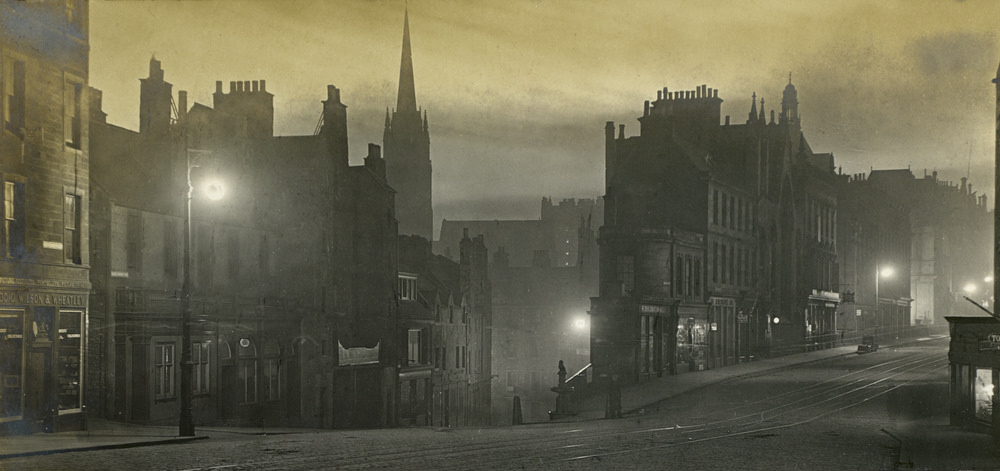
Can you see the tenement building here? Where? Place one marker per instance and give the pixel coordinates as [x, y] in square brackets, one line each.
[292, 271]
[44, 246]
[446, 324]
[719, 240]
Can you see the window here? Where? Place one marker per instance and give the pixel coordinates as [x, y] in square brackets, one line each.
[407, 287]
[626, 274]
[74, 14]
[248, 370]
[414, 347]
[725, 274]
[170, 249]
[725, 211]
[14, 95]
[72, 122]
[163, 367]
[11, 363]
[133, 241]
[71, 225]
[201, 367]
[715, 262]
[70, 360]
[715, 207]
[271, 373]
[983, 391]
[458, 356]
[14, 219]
[696, 278]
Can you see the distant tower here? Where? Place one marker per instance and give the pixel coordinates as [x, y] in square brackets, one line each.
[407, 147]
[154, 101]
[789, 103]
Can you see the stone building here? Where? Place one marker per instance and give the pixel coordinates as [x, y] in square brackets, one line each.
[718, 244]
[44, 242]
[543, 272]
[408, 152]
[292, 291]
[446, 320]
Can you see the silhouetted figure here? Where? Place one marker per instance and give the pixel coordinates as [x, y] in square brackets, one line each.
[517, 420]
[562, 374]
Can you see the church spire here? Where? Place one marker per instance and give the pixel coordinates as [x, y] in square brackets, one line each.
[406, 102]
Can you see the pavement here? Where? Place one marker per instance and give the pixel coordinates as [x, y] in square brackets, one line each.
[929, 446]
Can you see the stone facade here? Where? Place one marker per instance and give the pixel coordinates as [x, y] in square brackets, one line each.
[719, 240]
[446, 322]
[292, 271]
[44, 241]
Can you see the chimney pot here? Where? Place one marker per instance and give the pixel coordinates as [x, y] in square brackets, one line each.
[262, 87]
[218, 86]
[232, 87]
[255, 84]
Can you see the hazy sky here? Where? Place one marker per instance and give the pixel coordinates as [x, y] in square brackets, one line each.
[518, 91]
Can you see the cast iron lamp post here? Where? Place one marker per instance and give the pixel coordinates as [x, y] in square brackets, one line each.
[880, 272]
[214, 191]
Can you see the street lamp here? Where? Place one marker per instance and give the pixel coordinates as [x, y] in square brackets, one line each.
[879, 273]
[214, 190]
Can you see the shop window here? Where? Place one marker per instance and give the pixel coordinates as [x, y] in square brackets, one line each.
[201, 366]
[248, 370]
[164, 370]
[70, 360]
[271, 373]
[11, 361]
[984, 394]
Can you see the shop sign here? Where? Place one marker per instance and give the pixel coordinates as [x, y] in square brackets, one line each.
[742, 318]
[652, 309]
[357, 355]
[37, 299]
[991, 343]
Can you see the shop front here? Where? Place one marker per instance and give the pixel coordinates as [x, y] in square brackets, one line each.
[42, 341]
[974, 357]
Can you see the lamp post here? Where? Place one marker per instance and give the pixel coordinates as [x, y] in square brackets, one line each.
[186, 423]
[879, 272]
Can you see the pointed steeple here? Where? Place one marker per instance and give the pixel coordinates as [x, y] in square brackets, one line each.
[406, 101]
[763, 119]
[753, 108]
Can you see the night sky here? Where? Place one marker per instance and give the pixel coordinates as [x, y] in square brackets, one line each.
[518, 91]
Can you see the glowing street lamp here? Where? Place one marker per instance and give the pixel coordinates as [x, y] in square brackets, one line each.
[214, 190]
[880, 272]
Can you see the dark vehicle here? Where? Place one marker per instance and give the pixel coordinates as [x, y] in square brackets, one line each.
[868, 344]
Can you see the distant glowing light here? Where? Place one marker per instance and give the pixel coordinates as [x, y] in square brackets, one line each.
[887, 272]
[776, 320]
[988, 279]
[215, 190]
[580, 323]
[969, 288]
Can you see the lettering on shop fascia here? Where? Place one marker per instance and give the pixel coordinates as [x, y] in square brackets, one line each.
[648, 308]
[39, 299]
[44, 283]
[992, 342]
